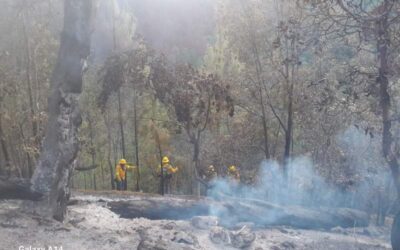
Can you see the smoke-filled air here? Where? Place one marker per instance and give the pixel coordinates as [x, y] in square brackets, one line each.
[200, 124]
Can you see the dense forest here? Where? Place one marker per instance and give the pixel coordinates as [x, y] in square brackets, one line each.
[300, 95]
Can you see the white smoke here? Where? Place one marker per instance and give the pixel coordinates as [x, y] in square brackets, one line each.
[366, 175]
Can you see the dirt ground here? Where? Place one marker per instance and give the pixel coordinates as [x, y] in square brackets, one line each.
[92, 225]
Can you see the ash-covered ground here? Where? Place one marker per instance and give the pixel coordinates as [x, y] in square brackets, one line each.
[90, 224]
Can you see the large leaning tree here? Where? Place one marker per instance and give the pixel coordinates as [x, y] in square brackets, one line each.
[60, 147]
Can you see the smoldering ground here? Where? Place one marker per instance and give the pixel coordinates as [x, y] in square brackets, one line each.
[362, 181]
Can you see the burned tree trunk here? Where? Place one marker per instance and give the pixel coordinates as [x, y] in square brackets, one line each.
[121, 129]
[385, 99]
[109, 146]
[288, 134]
[135, 121]
[60, 146]
[383, 43]
[396, 233]
[4, 149]
[195, 140]
[157, 139]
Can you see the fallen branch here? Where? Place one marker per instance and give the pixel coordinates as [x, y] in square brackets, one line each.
[17, 189]
[86, 168]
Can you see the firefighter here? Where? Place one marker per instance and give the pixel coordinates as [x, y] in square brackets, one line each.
[233, 174]
[211, 175]
[165, 173]
[120, 174]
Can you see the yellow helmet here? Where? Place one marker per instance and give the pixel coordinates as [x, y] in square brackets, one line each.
[232, 168]
[165, 160]
[122, 161]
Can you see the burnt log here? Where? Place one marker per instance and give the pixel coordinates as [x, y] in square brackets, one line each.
[91, 167]
[233, 212]
[18, 189]
[157, 208]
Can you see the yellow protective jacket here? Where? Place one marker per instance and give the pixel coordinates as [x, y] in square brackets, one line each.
[120, 173]
[168, 169]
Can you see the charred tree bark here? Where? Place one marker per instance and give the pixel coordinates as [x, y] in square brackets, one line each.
[383, 43]
[196, 152]
[110, 165]
[28, 156]
[102, 173]
[4, 149]
[135, 123]
[157, 139]
[121, 127]
[290, 62]
[92, 150]
[60, 147]
[396, 233]
[288, 134]
[94, 181]
[109, 146]
[265, 127]
[84, 180]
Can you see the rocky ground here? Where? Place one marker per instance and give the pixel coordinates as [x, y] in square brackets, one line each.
[92, 225]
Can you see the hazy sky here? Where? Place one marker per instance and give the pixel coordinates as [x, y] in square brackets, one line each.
[181, 29]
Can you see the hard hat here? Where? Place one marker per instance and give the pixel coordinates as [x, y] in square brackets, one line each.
[232, 168]
[211, 168]
[165, 160]
[122, 161]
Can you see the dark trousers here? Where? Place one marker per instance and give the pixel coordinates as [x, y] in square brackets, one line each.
[167, 184]
[121, 185]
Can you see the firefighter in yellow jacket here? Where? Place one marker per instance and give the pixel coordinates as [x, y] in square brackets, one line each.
[210, 176]
[233, 174]
[120, 174]
[165, 173]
